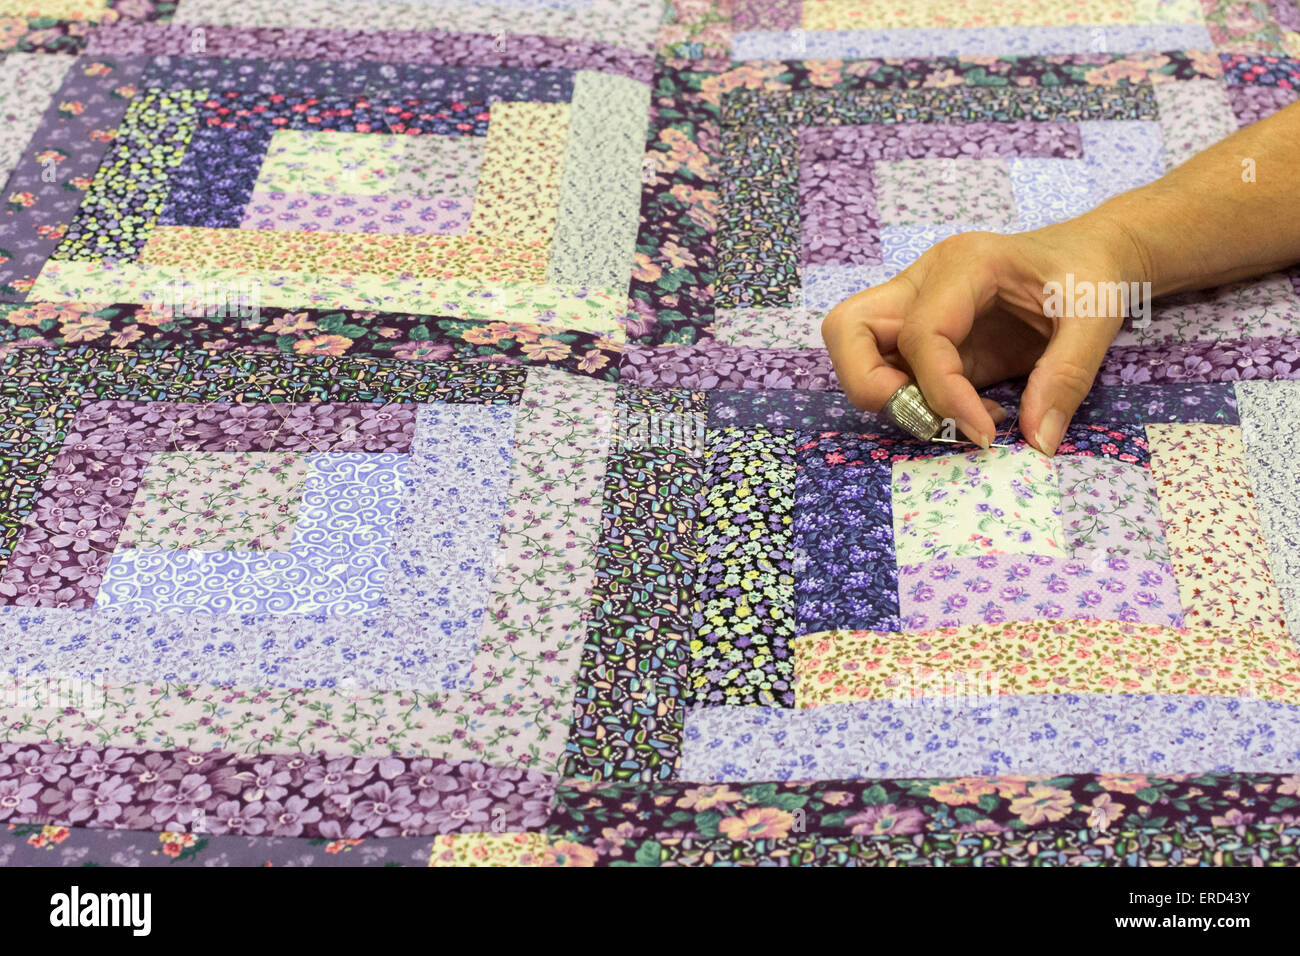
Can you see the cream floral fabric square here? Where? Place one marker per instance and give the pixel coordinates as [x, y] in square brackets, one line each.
[217, 501]
[1216, 544]
[930, 192]
[1000, 501]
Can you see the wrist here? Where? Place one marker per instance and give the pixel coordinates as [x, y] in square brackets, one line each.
[1120, 244]
[1154, 237]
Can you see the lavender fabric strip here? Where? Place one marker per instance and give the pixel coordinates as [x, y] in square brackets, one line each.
[230, 427]
[379, 214]
[1016, 734]
[976, 41]
[825, 287]
[993, 588]
[387, 46]
[711, 365]
[258, 650]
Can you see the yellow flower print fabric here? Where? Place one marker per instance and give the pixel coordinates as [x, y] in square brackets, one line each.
[508, 849]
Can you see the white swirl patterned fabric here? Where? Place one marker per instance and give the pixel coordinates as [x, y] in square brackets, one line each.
[336, 562]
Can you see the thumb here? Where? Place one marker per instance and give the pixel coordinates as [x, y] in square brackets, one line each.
[1062, 377]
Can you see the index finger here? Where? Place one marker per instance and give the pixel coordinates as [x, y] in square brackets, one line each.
[859, 332]
[939, 320]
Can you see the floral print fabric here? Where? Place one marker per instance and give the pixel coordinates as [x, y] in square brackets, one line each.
[1212, 526]
[939, 736]
[63, 551]
[356, 163]
[354, 182]
[767, 810]
[1000, 501]
[1110, 508]
[629, 698]
[1172, 845]
[974, 192]
[380, 572]
[381, 213]
[214, 502]
[1268, 412]
[217, 794]
[509, 849]
[844, 547]
[993, 588]
[744, 612]
[1084, 657]
[336, 561]
[322, 332]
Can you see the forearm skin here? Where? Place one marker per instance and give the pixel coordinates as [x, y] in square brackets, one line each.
[1229, 213]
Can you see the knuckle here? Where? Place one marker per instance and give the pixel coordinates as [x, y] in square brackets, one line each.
[911, 340]
[833, 323]
[1073, 377]
[971, 254]
[966, 245]
[857, 396]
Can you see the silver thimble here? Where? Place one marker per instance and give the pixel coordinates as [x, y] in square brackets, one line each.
[907, 409]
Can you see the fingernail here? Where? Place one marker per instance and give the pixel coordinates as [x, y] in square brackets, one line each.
[1050, 432]
[970, 432]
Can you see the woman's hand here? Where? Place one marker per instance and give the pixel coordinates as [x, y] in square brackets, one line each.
[971, 312]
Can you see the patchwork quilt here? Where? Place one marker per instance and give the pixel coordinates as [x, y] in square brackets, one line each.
[417, 445]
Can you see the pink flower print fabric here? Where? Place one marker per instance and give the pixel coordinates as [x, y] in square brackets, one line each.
[1216, 545]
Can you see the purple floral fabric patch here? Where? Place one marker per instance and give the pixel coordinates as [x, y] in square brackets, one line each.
[1251, 104]
[993, 588]
[1110, 508]
[288, 795]
[224, 426]
[1176, 363]
[66, 542]
[711, 365]
[375, 215]
[845, 568]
